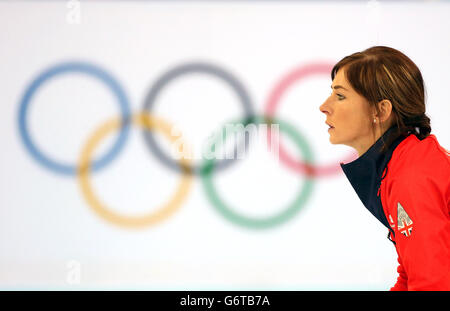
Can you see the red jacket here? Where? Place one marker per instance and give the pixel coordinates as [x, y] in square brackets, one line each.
[407, 188]
[415, 195]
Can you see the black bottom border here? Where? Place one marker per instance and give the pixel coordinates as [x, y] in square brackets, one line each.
[220, 300]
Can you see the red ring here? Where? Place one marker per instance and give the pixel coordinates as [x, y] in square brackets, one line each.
[272, 102]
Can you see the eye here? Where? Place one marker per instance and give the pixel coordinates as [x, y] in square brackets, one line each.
[340, 96]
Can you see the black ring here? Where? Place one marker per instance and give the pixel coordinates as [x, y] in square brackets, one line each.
[176, 72]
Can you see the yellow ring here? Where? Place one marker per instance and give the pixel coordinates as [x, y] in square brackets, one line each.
[84, 170]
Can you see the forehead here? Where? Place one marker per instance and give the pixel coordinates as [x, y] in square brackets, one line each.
[340, 82]
[340, 77]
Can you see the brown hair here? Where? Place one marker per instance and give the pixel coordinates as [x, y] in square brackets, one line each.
[381, 72]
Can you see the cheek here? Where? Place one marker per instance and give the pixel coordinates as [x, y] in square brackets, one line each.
[354, 118]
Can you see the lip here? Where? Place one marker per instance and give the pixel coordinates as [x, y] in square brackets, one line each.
[329, 125]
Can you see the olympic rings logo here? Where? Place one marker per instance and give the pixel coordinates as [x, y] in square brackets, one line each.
[150, 123]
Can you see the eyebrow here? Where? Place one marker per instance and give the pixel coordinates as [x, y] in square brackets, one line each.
[338, 87]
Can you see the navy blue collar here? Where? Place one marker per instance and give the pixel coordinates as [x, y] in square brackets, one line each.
[365, 174]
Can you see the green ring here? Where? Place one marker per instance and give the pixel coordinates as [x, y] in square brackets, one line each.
[261, 222]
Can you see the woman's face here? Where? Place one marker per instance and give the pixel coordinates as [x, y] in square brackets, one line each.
[349, 114]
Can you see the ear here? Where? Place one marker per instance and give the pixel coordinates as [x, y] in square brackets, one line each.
[384, 111]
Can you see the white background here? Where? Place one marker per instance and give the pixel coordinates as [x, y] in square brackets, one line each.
[51, 239]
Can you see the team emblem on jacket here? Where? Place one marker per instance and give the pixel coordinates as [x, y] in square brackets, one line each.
[404, 222]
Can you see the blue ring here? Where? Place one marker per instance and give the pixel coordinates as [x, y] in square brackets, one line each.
[67, 67]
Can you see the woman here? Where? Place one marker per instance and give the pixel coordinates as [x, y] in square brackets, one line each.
[402, 174]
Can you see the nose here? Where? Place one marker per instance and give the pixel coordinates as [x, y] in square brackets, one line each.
[324, 107]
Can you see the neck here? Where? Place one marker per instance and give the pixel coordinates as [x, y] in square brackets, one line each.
[364, 146]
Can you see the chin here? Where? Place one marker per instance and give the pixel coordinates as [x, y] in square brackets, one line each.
[335, 141]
